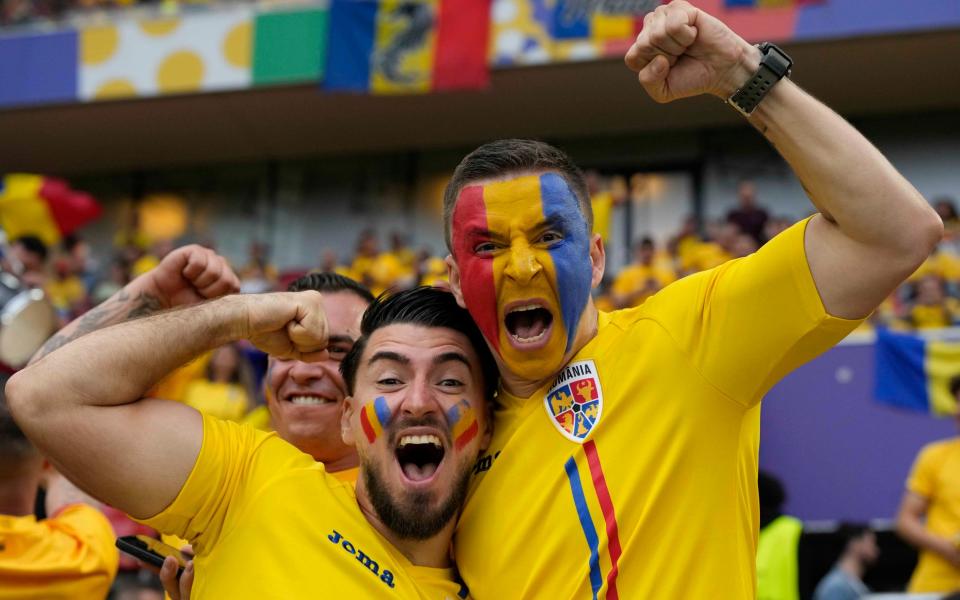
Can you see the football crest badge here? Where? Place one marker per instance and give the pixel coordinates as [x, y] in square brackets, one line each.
[575, 401]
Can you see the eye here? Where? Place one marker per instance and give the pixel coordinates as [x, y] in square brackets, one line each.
[389, 381]
[484, 248]
[451, 382]
[550, 237]
[338, 352]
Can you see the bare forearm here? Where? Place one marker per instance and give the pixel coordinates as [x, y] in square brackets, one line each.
[134, 300]
[118, 364]
[846, 177]
[915, 532]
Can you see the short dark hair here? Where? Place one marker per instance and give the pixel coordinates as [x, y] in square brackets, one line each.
[504, 157]
[14, 445]
[426, 306]
[849, 531]
[34, 245]
[330, 282]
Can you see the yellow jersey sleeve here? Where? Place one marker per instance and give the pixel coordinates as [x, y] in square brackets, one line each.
[234, 461]
[750, 321]
[923, 475]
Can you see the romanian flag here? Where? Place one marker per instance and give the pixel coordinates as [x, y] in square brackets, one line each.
[916, 373]
[43, 206]
[374, 417]
[463, 422]
[407, 47]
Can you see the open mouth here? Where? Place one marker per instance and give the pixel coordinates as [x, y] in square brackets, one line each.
[528, 324]
[419, 456]
[304, 400]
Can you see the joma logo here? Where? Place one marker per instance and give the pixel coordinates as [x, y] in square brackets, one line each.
[371, 565]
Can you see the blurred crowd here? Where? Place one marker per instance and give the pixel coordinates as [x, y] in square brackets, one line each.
[29, 12]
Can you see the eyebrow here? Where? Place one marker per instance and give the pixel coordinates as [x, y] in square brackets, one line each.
[341, 339]
[452, 356]
[386, 355]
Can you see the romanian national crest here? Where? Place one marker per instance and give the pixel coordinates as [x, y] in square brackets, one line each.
[575, 401]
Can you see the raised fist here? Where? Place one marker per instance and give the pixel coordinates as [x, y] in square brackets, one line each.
[683, 51]
[189, 275]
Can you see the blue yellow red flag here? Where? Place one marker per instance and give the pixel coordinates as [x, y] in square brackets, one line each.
[407, 47]
[42, 206]
[916, 373]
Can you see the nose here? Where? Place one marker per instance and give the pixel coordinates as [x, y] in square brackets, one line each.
[302, 373]
[418, 399]
[522, 263]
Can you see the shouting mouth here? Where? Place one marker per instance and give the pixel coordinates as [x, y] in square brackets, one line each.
[419, 456]
[528, 324]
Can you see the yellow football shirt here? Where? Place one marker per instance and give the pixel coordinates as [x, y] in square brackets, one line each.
[267, 521]
[69, 556]
[221, 400]
[634, 473]
[936, 477]
[633, 280]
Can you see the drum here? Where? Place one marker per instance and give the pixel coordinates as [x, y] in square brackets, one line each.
[27, 320]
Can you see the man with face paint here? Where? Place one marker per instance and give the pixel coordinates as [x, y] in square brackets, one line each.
[265, 519]
[624, 456]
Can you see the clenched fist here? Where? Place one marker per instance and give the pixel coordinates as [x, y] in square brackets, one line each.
[683, 51]
[289, 325]
[189, 275]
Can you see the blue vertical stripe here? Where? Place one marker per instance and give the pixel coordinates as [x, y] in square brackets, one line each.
[589, 531]
[571, 257]
[353, 25]
[383, 410]
[901, 379]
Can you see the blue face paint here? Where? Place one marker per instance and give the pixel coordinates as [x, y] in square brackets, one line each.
[571, 255]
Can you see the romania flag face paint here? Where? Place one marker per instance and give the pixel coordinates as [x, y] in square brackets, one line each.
[463, 424]
[523, 250]
[374, 417]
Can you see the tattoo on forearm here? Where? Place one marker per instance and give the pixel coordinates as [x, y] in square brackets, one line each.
[120, 308]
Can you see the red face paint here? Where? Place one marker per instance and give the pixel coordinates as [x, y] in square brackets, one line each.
[476, 274]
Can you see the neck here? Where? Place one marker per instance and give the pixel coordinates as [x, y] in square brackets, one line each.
[17, 497]
[850, 565]
[431, 552]
[521, 387]
[347, 461]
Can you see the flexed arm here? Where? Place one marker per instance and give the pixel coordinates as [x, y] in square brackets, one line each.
[82, 405]
[874, 228]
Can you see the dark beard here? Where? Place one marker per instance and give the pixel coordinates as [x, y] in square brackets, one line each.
[409, 518]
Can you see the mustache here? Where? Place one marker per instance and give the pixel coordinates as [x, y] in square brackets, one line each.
[428, 420]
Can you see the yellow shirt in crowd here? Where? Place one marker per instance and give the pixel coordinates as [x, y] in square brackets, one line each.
[636, 468]
[936, 478]
[221, 400]
[70, 556]
[267, 521]
[633, 280]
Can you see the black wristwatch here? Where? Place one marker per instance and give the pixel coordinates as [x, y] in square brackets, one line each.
[774, 66]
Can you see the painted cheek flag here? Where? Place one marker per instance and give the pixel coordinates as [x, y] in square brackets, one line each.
[915, 373]
[42, 206]
[374, 417]
[407, 47]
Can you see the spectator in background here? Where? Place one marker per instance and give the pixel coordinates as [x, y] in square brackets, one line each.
[65, 290]
[932, 307]
[258, 275]
[749, 217]
[226, 392]
[28, 260]
[82, 264]
[117, 277]
[393, 270]
[367, 251]
[743, 245]
[929, 515]
[642, 278]
[947, 209]
[779, 544]
[845, 581]
[70, 555]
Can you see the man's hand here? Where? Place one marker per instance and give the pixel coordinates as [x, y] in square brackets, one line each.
[176, 589]
[189, 275]
[289, 325]
[683, 51]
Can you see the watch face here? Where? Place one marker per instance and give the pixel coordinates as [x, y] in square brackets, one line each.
[775, 59]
